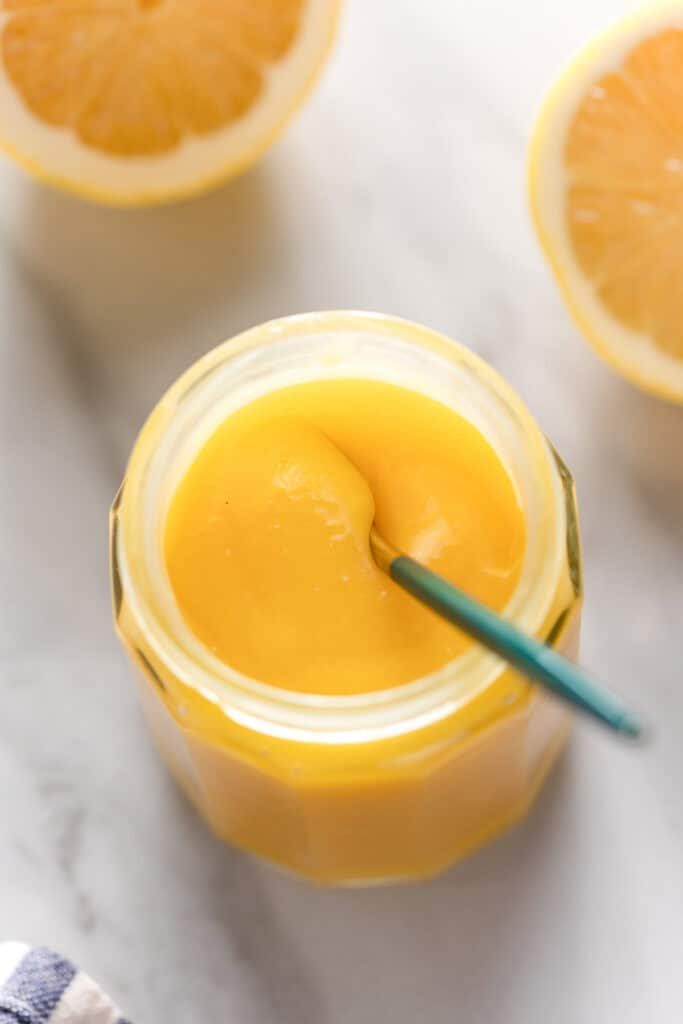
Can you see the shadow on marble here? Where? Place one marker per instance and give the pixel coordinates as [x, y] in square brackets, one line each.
[366, 946]
[136, 277]
[250, 938]
[645, 436]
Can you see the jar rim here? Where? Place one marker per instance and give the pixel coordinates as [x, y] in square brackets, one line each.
[315, 717]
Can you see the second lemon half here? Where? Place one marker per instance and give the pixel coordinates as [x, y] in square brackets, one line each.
[606, 183]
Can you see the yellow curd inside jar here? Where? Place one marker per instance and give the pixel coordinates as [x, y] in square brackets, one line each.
[314, 714]
[267, 536]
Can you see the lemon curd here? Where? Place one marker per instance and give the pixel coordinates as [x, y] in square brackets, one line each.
[314, 714]
[267, 538]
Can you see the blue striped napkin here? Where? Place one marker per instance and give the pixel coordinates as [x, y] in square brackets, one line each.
[38, 986]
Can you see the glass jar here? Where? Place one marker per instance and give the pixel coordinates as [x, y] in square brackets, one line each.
[384, 786]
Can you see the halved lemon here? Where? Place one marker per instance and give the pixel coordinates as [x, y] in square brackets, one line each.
[606, 185]
[139, 101]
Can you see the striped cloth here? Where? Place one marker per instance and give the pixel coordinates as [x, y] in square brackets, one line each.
[38, 986]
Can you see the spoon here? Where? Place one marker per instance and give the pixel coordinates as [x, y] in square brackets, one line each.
[534, 659]
[346, 490]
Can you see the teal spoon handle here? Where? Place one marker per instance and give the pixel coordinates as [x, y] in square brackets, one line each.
[534, 659]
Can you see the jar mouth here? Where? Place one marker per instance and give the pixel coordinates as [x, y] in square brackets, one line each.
[305, 348]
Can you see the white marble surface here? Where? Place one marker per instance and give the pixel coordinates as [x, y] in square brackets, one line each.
[399, 188]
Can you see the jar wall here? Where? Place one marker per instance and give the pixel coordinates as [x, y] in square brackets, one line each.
[403, 809]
